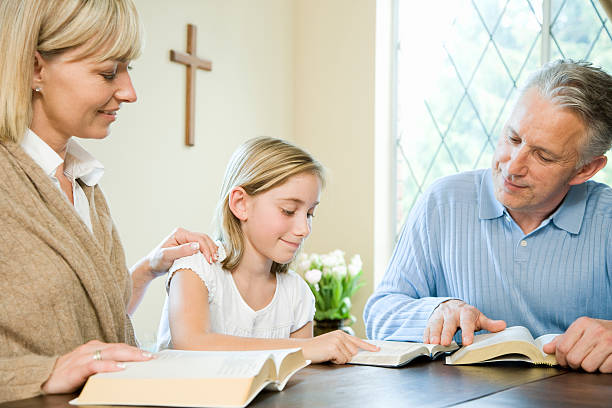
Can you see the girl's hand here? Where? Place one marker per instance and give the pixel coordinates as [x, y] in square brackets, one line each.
[178, 244]
[72, 370]
[337, 347]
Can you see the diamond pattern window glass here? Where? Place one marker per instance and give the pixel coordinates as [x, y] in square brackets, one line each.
[459, 64]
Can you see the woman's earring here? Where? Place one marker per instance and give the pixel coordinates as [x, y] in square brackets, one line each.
[37, 89]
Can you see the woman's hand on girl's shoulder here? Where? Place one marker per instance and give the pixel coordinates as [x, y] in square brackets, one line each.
[178, 244]
[337, 347]
[73, 369]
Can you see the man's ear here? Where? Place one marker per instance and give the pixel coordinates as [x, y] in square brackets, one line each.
[39, 64]
[238, 203]
[589, 170]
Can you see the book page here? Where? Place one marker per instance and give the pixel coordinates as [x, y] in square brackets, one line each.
[514, 333]
[279, 355]
[390, 354]
[512, 344]
[545, 339]
[173, 364]
[190, 379]
[436, 349]
[396, 353]
[393, 347]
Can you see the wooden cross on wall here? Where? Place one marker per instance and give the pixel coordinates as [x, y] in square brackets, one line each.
[191, 60]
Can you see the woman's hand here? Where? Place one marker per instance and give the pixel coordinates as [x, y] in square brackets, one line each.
[337, 347]
[72, 370]
[178, 244]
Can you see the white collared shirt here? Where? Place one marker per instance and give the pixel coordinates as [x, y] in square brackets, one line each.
[79, 165]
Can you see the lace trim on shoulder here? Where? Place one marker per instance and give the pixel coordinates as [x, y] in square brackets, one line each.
[205, 271]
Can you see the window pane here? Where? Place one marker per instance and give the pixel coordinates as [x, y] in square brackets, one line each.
[580, 29]
[458, 68]
[459, 65]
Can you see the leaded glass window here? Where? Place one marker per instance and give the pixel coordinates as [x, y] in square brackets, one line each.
[476, 52]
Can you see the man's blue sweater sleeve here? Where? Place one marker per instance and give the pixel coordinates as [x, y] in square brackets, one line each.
[404, 300]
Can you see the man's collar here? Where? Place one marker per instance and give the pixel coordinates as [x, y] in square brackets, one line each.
[488, 206]
[568, 216]
[570, 213]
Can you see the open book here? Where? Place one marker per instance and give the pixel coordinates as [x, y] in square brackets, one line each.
[399, 353]
[512, 344]
[194, 379]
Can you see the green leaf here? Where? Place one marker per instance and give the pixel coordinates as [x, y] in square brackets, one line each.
[333, 293]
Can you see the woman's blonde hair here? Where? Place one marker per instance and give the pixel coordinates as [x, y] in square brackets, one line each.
[257, 166]
[108, 29]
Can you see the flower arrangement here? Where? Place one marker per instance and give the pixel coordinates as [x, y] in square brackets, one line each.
[332, 282]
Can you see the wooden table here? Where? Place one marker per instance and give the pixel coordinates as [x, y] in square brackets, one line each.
[422, 384]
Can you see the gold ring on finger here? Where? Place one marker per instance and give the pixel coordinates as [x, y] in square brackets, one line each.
[97, 355]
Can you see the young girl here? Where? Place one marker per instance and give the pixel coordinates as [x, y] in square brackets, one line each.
[247, 299]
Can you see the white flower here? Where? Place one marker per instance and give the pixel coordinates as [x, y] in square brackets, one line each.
[313, 276]
[328, 260]
[315, 260]
[338, 256]
[304, 265]
[339, 270]
[301, 263]
[334, 258]
[355, 265]
[327, 270]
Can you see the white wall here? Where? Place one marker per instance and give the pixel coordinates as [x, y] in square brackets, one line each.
[334, 119]
[302, 70]
[153, 182]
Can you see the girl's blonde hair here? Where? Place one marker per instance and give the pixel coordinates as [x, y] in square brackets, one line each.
[108, 29]
[257, 166]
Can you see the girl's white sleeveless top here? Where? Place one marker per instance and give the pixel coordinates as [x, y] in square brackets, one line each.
[292, 306]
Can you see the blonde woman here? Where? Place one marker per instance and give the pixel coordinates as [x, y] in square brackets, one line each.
[66, 291]
[248, 300]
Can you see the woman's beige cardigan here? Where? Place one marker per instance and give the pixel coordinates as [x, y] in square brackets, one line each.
[60, 285]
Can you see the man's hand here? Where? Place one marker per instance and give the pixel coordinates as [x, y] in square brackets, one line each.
[456, 314]
[587, 343]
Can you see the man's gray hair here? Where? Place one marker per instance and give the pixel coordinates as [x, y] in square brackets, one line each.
[585, 90]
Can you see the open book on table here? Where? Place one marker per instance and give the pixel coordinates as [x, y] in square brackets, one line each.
[512, 344]
[194, 379]
[399, 353]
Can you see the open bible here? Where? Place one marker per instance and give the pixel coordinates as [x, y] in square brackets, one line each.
[194, 379]
[512, 344]
[399, 353]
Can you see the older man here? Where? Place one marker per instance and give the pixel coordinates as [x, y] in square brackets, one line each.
[528, 241]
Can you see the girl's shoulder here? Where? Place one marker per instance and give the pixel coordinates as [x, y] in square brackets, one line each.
[197, 263]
